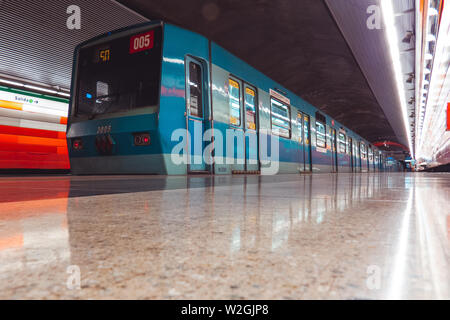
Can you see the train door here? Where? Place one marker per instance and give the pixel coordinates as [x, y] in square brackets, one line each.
[350, 148]
[364, 157]
[361, 156]
[195, 114]
[301, 141]
[375, 160]
[307, 143]
[251, 128]
[372, 161]
[334, 149]
[237, 125]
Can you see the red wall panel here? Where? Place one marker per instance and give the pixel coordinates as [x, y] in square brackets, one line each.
[32, 131]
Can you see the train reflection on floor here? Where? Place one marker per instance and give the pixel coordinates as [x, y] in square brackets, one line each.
[347, 236]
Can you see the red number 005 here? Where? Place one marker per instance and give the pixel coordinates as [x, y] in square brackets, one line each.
[141, 42]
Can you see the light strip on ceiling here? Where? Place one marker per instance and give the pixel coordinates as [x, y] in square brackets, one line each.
[60, 92]
[64, 94]
[392, 38]
[12, 83]
[40, 89]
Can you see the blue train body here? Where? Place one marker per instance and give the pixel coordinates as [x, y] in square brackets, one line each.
[108, 140]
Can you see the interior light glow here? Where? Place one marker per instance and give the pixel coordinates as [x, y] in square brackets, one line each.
[391, 35]
[432, 12]
[431, 37]
[428, 56]
[62, 92]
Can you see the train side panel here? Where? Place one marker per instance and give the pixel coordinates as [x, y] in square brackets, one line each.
[178, 45]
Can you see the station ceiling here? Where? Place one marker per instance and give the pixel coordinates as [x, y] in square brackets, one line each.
[295, 42]
[37, 46]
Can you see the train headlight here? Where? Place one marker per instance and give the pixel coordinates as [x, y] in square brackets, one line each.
[141, 139]
[77, 144]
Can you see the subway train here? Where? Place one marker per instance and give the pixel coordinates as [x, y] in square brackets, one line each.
[136, 90]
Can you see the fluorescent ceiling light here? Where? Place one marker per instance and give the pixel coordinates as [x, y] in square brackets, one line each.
[392, 38]
[63, 92]
[40, 89]
[13, 83]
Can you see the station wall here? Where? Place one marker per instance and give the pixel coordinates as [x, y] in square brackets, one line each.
[32, 130]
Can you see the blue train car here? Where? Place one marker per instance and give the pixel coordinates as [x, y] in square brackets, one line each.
[158, 99]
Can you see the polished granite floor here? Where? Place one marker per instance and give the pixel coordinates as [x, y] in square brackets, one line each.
[325, 236]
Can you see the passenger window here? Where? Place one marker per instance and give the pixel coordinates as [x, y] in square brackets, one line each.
[320, 135]
[250, 109]
[281, 124]
[195, 90]
[363, 151]
[342, 143]
[235, 102]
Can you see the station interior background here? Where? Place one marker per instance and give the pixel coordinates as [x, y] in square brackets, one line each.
[329, 57]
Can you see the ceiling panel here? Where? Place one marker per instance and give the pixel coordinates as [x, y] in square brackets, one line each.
[35, 43]
[372, 52]
[295, 42]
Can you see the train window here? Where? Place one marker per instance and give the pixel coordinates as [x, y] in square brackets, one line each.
[281, 124]
[349, 145]
[370, 154]
[195, 90]
[306, 129]
[250, 109]
[342, 143]
[299, 126]
[110, 79]
[363, 151]
[235, 102]
[321, 140]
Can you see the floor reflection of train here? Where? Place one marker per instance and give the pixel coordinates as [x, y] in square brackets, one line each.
[133, 88]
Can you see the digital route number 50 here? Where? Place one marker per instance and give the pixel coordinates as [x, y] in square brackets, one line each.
[141, 42]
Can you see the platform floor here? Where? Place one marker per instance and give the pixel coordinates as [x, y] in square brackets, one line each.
[325, 236]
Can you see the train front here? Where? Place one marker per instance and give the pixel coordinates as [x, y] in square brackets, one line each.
[113, 117]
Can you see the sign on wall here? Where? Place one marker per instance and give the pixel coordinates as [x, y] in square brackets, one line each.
[32, 131]
[448, 116]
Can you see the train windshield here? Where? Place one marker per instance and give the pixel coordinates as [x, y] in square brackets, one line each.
[119, 75]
